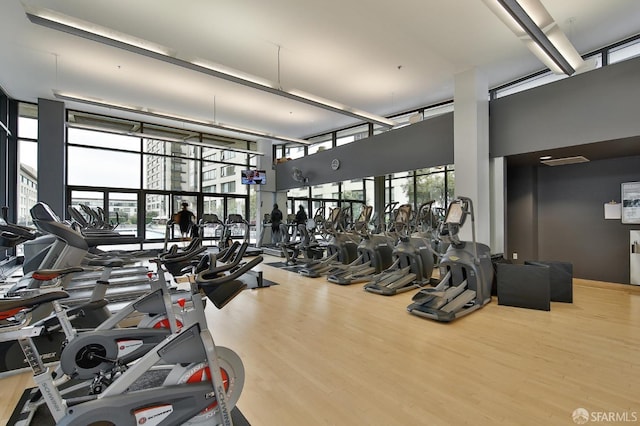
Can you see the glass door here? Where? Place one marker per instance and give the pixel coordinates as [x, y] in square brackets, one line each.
[83, 208]
[211, 226]
[157, 214]
[122, 212]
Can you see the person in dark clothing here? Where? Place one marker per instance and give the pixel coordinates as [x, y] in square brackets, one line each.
[276, 220]
[185, 220]
[301, 224]
[301, 216]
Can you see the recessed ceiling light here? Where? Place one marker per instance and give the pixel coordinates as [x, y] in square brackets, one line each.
[565, 161]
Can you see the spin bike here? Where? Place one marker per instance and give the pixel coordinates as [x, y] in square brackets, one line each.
[190, 394]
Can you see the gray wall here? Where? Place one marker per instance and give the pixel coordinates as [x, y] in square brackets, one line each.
[570, 226]
[556, 213]
[596, 106]
[522, 214]
[425, 144]
[552, 213]
[599, 105]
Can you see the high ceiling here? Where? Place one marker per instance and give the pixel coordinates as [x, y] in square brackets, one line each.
[378, 56]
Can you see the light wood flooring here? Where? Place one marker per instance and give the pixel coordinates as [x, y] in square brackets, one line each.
[317, 353]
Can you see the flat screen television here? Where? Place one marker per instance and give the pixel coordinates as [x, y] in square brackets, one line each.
[253, 177]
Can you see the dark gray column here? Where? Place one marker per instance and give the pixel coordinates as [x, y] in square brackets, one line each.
[51, 155]
[4, 160]
[12, 162]
[379, 197]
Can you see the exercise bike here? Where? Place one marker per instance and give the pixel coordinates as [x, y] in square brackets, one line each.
[190, 394]
[58, 338]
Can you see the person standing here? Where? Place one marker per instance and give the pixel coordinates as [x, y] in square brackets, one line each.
[301, 216]
[301, 225]
[276, 220]
[186, 220]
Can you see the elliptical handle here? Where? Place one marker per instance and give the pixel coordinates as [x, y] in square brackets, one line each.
[208, 278]
[468, 207]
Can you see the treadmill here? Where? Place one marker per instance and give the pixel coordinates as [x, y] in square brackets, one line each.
[69, 251]
[237, 227]
[266, 236]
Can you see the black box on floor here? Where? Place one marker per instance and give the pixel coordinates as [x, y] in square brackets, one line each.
[561, 279]
[524, 286]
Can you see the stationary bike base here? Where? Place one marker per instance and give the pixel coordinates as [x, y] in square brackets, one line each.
[232, 371]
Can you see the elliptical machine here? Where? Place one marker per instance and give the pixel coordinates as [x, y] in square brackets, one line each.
[375, 253]
[465, 268]
[413, 260]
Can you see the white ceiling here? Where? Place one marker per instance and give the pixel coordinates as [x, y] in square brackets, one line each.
[379, 56]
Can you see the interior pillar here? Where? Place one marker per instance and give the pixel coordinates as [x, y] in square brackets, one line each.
[471, 149]
[51, 155]
[267, 194]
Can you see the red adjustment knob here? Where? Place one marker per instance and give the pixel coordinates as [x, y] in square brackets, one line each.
[150, 274]
[182, 302]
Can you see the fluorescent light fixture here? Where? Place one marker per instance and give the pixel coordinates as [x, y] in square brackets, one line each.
[88, 30]
[531, 22]
[221, 70]
[545, 157]
[310, 99]
[58, 21]
[164, 115]
[160, 138]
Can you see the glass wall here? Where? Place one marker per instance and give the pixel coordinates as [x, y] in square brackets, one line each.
[626, 50]
[171, 166]
[320, 143]
[101, 167]
[157, 213]
[27, 162]
[352, 134]
[294, 151]
[369, 191]
[320, 200]
[411, 187]
[141, 173]
[529, 83]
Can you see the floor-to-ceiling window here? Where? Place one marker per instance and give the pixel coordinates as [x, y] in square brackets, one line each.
[27, 162]
[140, 174]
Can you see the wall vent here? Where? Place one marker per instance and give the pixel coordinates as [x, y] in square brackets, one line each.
[565, 161]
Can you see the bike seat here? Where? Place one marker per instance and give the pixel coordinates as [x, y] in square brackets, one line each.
[49, 274]
[107, 263]
[9, 307]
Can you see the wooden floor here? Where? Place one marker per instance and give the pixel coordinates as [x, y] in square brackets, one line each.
[317, 353]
